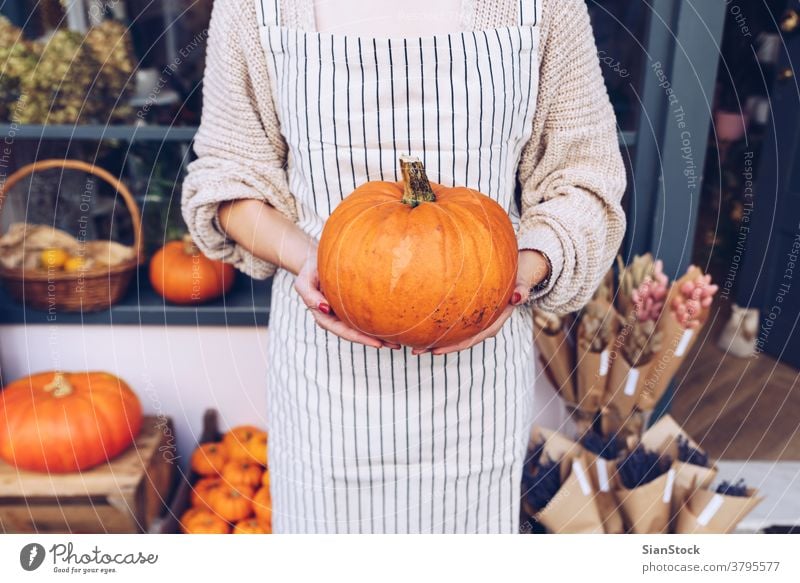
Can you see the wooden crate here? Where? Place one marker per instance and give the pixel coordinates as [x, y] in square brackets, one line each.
[181, 501]
[126, 495]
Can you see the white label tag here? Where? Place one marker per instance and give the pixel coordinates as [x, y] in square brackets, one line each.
[602, 475]
[710, 510]
[604, 358]
[630, 384]
[583, 480]
[683, 343]
[668, 486]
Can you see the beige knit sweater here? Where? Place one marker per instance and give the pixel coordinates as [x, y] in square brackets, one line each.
[571, 171]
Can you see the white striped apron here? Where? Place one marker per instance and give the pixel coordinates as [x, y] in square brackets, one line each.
[380, 441]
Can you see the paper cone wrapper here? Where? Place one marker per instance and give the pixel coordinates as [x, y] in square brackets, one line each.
[625, 384]
[592, 366]
[557, 447]
[662, 437]
[677, 343]
[647, 509]
[592, 376]
[573, 509]
[603, 475]
[707, 512]
[556, 354]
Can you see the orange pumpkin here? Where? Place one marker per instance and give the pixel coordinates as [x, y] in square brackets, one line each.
[256, 448]
[251, 526]
[203, 522]
[188, 516]
[242, 441]
[265, 479]
[231, 502]
[415, 263]
[60, 422]
[209, 459]
[201, 491]
[262, 506]
[245, 473]
[183, 275]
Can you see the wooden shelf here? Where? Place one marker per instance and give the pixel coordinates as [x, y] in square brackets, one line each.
[247, 304]
[125, 133]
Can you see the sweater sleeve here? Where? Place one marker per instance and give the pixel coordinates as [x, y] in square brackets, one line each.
[241, 153]
[571, 171]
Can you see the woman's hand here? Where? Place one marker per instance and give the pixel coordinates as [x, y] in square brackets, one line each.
[532, 268]
[307, 286]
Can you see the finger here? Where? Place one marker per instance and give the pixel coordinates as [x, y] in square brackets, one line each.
[307, 286]
[336, 326]
[521, 295]
[392, 345]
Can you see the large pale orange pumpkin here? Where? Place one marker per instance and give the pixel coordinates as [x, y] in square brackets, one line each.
[416, 263]
[182, 274]
[61, 422]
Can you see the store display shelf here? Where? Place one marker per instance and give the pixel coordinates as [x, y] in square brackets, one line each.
[247, 304]
[126, 133]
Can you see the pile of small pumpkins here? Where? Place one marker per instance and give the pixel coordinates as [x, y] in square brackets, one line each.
[232, 492]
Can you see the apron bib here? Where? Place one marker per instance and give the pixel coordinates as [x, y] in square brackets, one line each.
[367, 440]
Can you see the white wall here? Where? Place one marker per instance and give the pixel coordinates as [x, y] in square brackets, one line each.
[176, 371]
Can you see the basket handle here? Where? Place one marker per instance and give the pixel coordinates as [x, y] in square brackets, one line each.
[130, 202]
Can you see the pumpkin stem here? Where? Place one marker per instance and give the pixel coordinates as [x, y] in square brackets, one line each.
[188, 245]
[417, 187]
[60, 386]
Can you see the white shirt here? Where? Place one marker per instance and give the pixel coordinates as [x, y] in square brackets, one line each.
[382, 18]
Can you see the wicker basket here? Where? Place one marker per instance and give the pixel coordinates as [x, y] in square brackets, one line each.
[85, 291]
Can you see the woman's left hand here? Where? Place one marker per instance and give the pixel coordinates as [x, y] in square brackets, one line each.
[532, 268]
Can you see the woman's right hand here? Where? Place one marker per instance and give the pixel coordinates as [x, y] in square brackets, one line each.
[307, 286]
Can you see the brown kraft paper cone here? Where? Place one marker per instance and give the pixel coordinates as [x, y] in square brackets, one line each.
[625, 384]
[557, 447]
[677, 343]
[556, 356]
[592, 376]
[707, 512]
[662, 437]
[646, 509]
[572, 510]
[603, 475]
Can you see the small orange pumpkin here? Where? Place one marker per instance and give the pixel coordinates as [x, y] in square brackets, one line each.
[244, 473]
[209, 459]
[262, 506]
[204, 522]
[187, 517]
[60, 422]
[415, 263]
[231, 502]
[180, 273]
[238, 440]
[201, 491]
[256, 448]
[251, 526]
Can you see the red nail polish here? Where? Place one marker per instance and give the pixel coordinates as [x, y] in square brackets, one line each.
[515, 299]
[324, 308]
